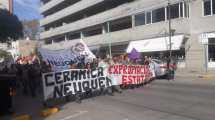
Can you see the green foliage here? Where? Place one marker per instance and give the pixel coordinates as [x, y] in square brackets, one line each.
[10, 26]
[4, 54]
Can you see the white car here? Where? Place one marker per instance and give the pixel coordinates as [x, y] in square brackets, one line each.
[160, 68]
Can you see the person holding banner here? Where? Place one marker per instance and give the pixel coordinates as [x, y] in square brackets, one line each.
[104, 63]
[114, 78]
[152, 68]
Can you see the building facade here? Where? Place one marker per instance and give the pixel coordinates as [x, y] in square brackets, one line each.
[117, 26]
[7, 4]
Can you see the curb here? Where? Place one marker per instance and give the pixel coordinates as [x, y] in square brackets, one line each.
[44, 113]
[208, 77]
[200, 77]
[23, 117]
[49, 111]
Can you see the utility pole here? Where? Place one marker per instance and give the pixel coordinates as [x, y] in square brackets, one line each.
[170, 31]
[170, 41]
[109, 41]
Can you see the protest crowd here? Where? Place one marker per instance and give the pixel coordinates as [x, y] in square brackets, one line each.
[71, 77]
[27, 72]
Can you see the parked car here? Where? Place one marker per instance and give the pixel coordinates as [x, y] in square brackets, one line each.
[160, 67]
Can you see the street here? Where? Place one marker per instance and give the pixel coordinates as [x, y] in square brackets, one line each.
[107, 59]
[160, 100]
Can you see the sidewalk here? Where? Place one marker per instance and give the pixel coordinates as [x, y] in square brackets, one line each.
[25, 105]
[206, 76]
[194, 77]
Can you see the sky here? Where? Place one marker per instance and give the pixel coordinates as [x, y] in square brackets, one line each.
[27, 9]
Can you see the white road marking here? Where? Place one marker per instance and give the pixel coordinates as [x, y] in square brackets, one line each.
[74, 115]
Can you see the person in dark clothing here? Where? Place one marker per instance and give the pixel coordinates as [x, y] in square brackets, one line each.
[94, 64]
[146, 60]
[170, 69]
[19, 75]
[25, 78]
[5, 90]
[32, 78]
[5, 70]
[6, 100]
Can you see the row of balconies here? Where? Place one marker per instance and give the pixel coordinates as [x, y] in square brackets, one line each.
[116, 13]
[134, 33]
[50, 5]
[68, 11]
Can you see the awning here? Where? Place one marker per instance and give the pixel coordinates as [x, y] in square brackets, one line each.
[156, 44]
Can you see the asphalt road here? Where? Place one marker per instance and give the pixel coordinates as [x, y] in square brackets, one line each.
[161, 100]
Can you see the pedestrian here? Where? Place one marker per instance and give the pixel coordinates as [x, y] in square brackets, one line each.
[169, 71]
[114, 78]
[173, 67]
[25, 78]
[32, 79]
[152, 68]
[12, 71]
[146, 60]
[104, 63]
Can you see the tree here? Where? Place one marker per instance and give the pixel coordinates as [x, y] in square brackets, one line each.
[10, 26]
[4, 57]
[31, 29]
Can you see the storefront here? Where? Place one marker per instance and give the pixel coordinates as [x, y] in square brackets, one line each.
[208, 40]
[159, 47]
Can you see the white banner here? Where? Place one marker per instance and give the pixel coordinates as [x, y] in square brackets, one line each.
[61, 59]
[73, 81]
[69, 82]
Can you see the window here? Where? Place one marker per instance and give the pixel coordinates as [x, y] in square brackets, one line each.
[181, 9]
[91, 31]
[177, 10]
[148, 18]
[158, 15]
[121, 24]
[211, 50]
[207, 7]
[213, 1]
[186, 10]
[48, 42]
[59, 39]
[174, 11]
[72, 36]
[140, 19]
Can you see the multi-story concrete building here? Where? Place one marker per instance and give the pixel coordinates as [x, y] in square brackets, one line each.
[7, 4]
[140, 24]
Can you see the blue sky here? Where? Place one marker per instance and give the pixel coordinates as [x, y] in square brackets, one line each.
[27, 9]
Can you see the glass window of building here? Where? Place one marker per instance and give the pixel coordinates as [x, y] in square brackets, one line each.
[140, 19]
[48, 42]
[213, 6]
[181, 9]
[121, 24]
[72, 36]
[148, 17]
[186, 10]
[207, 7]
[211, 49]
[158, 15]
[174, 11]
